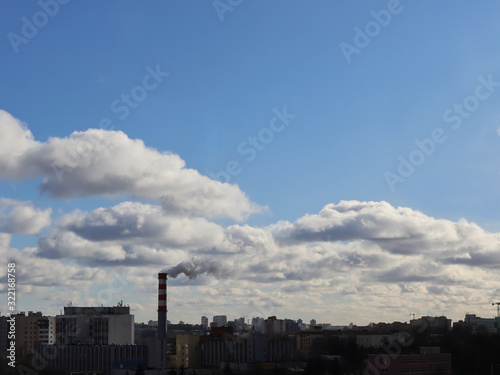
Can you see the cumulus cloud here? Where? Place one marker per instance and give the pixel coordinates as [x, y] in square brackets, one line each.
[132, 233]
[100, 162]
[4, 240]
[35, 271]
[22, 217]
[341, 238]
[360, 252]
[399, 230]
[136, 222]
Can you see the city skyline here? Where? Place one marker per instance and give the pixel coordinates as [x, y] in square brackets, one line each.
[331, 161]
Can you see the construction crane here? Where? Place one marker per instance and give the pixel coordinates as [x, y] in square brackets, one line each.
[498, 307]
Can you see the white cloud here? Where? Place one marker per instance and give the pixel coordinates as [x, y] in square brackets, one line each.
[22, 217]
[4, 240]
[400, 230]
[348, 254]
[100, 162]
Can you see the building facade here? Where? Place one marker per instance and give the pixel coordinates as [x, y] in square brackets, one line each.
[87, 358]
[408, 364]
[31, 329]
[220, 320]
[484, 325]
[95, 326]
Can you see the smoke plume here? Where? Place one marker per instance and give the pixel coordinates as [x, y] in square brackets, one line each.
[196, 267]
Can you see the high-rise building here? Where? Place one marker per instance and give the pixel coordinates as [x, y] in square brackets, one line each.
[31, 329]
[47, 330]
[95, 326]
[204, 321]
[220, 320]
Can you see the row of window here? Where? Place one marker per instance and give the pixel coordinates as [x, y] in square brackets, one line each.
[426, 361]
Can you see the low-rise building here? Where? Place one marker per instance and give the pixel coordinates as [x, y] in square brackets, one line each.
[65, 359]
[427, 362]
[484, 325]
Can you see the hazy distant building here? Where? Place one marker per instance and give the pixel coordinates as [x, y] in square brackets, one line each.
[433, 324]
[258, 325]
[375, 341]
[204, 321]
[290, 326]
[95, 326]
[484, 325]
[274, 326]
[220, 320]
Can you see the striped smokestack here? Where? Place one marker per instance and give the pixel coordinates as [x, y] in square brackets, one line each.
[162, 305]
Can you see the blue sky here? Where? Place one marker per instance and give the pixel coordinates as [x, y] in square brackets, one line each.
[350, 118]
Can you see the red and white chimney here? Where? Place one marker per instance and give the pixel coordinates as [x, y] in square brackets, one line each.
[162, 305]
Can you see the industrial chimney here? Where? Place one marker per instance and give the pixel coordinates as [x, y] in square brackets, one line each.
[162, 305]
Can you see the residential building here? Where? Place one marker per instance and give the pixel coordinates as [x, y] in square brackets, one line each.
[220, 320]
[31, 329]
[305, 339]
[186, 351]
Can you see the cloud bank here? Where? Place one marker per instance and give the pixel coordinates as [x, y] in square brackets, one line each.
[389, 259]
[100, 162]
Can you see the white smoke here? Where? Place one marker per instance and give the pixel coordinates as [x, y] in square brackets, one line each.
[196, 267]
